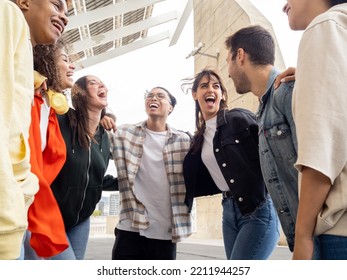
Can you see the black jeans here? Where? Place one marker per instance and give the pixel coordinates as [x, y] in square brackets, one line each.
[132, 246]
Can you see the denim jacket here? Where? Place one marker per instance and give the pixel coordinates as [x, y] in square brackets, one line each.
[278, 152]
[235, 146]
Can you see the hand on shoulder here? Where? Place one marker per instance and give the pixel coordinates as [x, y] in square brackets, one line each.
[287, 75]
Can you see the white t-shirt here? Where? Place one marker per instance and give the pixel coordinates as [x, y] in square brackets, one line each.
[320, 111]
[44, 116]
[208, 156]
[152, 189]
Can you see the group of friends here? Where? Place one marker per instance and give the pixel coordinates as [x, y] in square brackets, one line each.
[282, 167]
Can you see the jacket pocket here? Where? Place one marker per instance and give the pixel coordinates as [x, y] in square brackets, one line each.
[280, 141]
[241, 148]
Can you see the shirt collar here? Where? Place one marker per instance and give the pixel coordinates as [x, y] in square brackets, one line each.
[171, 131]
[273, 74]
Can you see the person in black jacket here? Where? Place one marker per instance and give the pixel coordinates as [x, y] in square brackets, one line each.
[79, 185]
[223, 158]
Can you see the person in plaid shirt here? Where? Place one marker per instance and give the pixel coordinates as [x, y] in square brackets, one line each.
[148, 157]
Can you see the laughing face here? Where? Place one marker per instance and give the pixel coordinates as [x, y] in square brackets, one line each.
[46, 18]
[65, 68]
[97, 93]
[158, 103]
[241, 82]
[209, 96]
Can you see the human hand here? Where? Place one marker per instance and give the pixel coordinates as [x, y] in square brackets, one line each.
[286, 76]
[303, 249]
[108, 123]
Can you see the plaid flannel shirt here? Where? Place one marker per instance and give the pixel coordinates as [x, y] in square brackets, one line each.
[127, 149]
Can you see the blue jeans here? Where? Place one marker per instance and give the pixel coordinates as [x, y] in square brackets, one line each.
[250, 237]
[22, 250]
[78, 239]
[330, 247]
[29, 252]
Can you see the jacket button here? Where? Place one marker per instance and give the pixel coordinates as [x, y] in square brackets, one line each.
[217, 150]
[240, 199]
[237, 141]
[279, 132]
[232, 181]
[224, 164]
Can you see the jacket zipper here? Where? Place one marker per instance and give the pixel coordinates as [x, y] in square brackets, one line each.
[87, 182]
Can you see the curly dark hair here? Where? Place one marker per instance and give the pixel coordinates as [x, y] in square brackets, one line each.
[45, 62]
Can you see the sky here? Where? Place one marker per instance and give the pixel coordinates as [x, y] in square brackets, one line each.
[129, 76]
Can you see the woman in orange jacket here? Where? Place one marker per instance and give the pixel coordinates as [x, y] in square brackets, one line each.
[46, 232]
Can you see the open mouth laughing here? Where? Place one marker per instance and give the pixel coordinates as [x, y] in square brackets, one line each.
[153, 106]
[58, 25]
[210, 99]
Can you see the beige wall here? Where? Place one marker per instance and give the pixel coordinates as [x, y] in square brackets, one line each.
[111, 223]
[214, 20]
[208, 217]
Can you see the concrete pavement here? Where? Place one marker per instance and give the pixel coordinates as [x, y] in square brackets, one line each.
[100, 247]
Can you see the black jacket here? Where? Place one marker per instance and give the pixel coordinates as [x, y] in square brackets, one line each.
[79, 184]
[235, 147]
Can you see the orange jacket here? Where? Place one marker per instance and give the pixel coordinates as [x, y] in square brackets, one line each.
[46, 225]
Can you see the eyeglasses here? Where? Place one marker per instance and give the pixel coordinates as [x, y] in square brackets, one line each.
[159, 96]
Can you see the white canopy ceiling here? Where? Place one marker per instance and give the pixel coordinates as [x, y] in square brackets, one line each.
[99, 30]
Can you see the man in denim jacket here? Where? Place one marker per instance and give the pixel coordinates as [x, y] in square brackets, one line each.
[251, 55]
